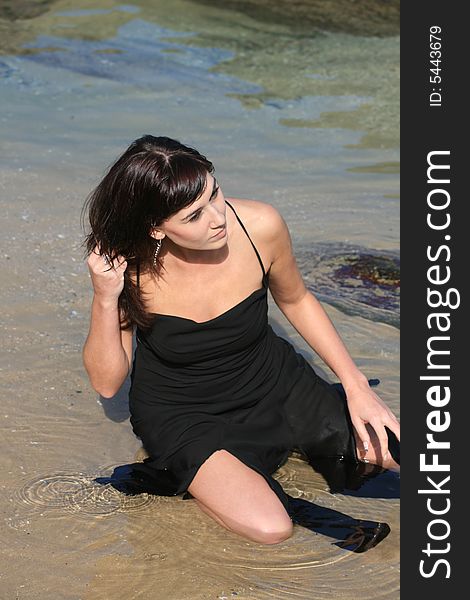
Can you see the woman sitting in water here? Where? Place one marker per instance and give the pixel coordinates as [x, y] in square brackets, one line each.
[217, 398]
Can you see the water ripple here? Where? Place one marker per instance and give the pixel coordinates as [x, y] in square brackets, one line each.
[80, 493]
[228, 564]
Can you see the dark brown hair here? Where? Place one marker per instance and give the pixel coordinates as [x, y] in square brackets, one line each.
[152, 180]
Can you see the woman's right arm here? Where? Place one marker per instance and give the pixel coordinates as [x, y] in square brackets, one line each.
[107, 353]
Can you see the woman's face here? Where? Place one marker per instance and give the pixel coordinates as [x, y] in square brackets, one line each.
[202, 225]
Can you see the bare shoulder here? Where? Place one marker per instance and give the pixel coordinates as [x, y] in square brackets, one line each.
[260, 218]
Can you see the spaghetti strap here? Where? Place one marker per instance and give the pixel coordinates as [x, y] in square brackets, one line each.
[248, 236]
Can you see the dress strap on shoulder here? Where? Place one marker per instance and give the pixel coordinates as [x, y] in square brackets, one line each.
[248, 236]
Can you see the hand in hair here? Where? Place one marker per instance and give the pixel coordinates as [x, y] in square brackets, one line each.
[106, 275]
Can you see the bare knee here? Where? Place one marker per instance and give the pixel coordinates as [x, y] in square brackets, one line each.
[273, 533]
[264, 531]
[240, 499]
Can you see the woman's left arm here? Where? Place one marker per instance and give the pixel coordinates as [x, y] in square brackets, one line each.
[309, 318]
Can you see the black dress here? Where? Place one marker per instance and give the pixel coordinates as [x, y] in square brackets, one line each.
[230, 383]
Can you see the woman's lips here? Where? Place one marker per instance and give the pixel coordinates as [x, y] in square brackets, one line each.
[219, 233]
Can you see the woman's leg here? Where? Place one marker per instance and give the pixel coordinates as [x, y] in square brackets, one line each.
[240, 499]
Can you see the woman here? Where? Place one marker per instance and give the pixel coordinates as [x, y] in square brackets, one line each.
[217, 398]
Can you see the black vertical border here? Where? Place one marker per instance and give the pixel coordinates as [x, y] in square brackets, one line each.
[424, 129]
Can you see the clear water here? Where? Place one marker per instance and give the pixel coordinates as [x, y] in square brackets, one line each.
[306, 122]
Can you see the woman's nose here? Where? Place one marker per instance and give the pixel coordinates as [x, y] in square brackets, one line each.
[217, 216]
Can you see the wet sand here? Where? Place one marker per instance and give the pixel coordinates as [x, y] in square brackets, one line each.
[66, 537]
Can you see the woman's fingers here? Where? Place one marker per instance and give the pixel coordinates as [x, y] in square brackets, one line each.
[360, 427]
[382, 437]
[98, 259]
[394, 427]
[377, 424]
[107, 274]
[118, 264]
[122, 262]
[370, 416]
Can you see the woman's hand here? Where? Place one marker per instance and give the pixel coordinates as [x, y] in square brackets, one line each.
[365, 407]
[107, 276]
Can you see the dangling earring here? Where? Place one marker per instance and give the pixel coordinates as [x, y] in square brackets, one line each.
[157, 250]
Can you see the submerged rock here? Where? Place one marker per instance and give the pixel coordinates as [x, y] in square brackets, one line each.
[356, 280]
[362, 17]
[12, 10]
[381, 270]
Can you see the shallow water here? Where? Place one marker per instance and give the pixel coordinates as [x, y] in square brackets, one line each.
[304, 120]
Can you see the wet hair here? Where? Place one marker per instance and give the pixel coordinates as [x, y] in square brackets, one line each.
[152, 180]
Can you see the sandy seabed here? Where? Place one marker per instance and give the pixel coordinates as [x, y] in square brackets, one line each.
[68, 537]
[64, 536]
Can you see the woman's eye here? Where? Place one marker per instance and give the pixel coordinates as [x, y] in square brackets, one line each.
[195, 217]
